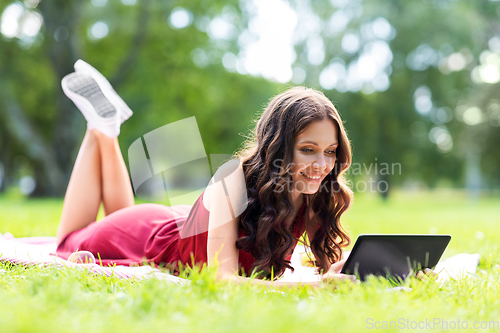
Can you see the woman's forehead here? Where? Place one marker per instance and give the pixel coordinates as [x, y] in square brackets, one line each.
[322, 132]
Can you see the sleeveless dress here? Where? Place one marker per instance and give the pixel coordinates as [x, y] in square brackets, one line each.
[155, 234]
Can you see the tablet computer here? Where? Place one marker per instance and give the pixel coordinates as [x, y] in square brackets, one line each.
[394, 256]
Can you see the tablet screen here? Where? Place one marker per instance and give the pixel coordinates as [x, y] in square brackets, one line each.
[394, 255]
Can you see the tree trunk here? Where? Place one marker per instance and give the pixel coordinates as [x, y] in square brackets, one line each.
[37, 150]
[4, 159]
[473, 173]
[53, 159]
[63, 53]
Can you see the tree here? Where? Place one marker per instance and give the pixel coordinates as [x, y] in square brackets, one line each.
[146, 57]
[434, 48]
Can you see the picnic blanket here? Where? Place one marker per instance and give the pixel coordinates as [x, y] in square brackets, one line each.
[41, 251]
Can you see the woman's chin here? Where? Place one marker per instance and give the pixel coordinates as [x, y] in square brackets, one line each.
[310, 190]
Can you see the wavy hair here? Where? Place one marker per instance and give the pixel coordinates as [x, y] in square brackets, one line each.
[267, 157]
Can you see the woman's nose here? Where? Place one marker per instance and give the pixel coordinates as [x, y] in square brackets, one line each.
[320, 163]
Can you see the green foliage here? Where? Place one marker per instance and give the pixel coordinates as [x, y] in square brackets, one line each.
[149, 62]
[380, 123]
[153, 67]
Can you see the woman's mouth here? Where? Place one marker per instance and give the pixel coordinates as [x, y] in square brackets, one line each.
[312, 176]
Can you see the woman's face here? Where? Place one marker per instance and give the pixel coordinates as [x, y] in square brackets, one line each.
[314, 156]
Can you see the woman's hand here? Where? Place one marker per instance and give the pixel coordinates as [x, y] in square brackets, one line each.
[335, 278]
[337, 267]
[334, 275]
[426, 275]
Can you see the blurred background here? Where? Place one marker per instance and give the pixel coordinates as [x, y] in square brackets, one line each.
[415, 81]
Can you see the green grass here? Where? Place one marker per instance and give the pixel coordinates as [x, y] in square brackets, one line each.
[38, 299]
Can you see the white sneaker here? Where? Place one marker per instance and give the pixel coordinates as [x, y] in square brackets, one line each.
[88, 96]
[108, 91]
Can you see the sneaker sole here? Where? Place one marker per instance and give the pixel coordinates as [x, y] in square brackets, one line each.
[88, 88]
[87, 69]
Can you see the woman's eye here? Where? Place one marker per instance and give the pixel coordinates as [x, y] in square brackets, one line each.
[306, 150]
[330, 152]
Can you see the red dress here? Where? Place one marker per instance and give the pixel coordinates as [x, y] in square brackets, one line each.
[153, 233]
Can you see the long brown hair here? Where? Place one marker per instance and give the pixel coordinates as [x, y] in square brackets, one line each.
[267, 157]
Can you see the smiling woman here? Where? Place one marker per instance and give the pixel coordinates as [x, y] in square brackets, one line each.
[300, 153]
[314, 156]
[287, 180]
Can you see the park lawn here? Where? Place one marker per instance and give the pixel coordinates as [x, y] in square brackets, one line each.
[64, 300]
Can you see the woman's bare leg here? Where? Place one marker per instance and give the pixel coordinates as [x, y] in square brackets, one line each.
[83, 195]
[116, 188]
[99, 173]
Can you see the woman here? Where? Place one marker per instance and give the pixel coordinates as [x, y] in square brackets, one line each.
[291, 182]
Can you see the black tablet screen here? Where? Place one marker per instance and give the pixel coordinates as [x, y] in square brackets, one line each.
[394, 255]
